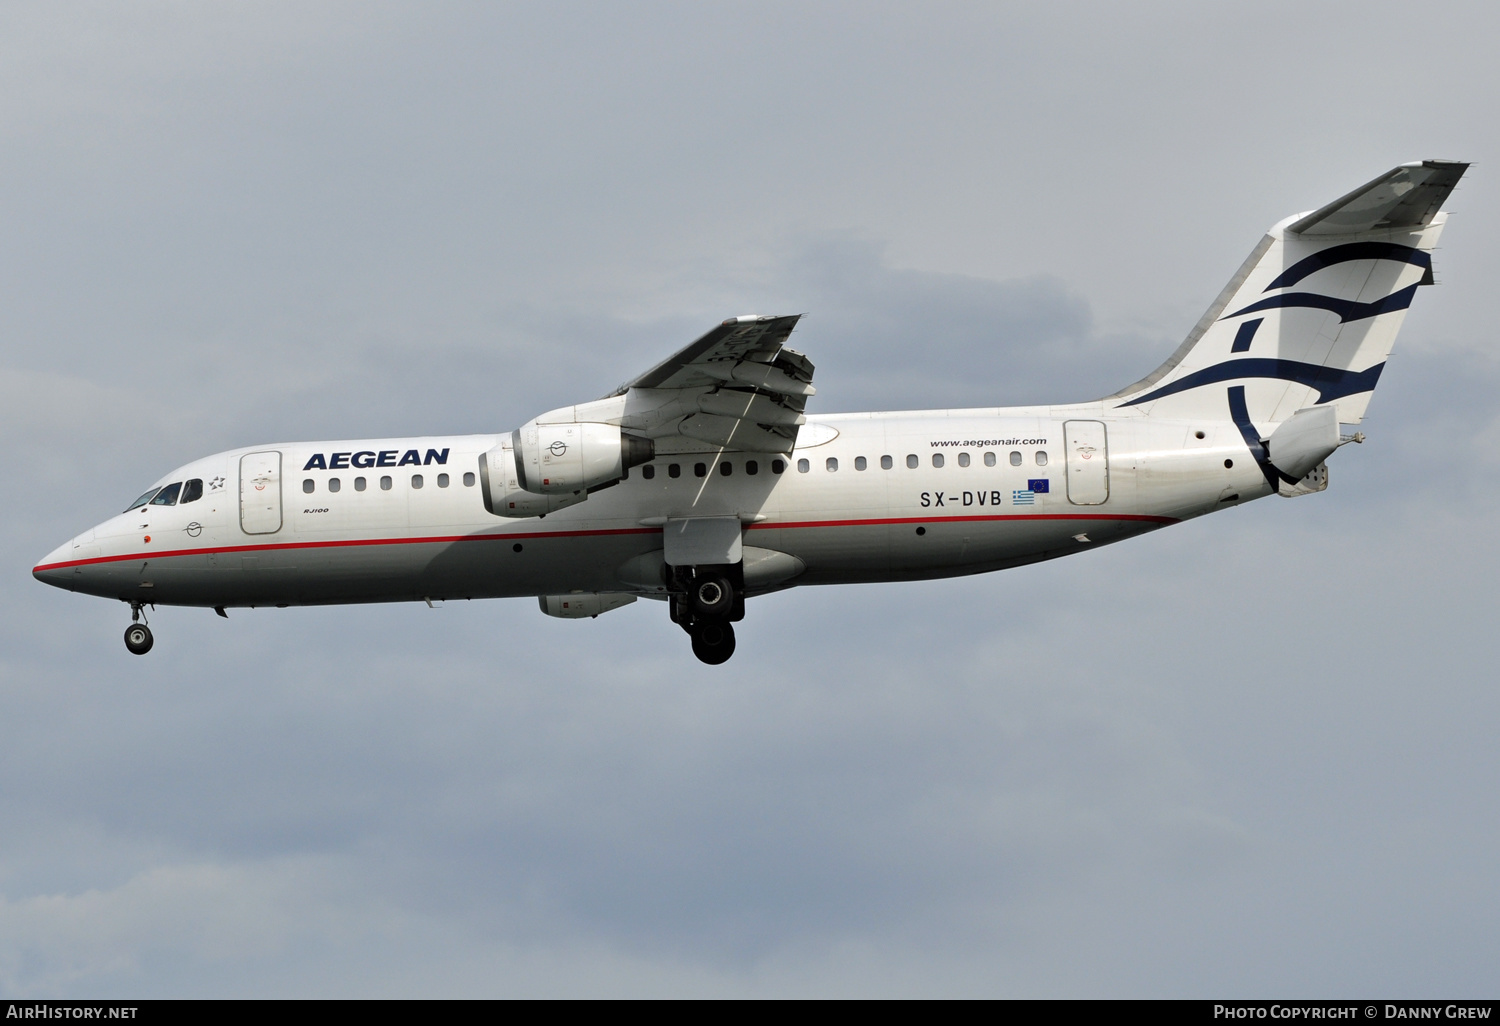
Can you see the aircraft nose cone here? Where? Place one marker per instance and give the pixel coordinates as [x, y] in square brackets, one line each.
[50, 569]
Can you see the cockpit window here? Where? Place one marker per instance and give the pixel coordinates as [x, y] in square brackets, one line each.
[168, 495]
[192, 491]
[138, 503]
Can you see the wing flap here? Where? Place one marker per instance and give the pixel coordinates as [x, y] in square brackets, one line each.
[738, 387]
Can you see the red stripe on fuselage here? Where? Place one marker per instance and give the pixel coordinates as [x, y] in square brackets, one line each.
[603, 532]
[940, 518]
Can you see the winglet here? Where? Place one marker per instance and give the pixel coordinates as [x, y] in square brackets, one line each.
[1404, 197]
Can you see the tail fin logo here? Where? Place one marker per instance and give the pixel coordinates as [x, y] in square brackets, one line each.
[1347, 309]
[1352, 251]
[1331, 383]
[1359, 258]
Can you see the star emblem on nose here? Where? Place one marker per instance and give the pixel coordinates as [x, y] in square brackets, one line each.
[216, 484]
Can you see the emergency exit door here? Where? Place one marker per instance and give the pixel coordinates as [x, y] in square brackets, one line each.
[1088, 462]
[260, 492]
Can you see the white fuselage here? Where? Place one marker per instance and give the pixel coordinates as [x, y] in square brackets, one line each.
[383, 537]
[667, 487]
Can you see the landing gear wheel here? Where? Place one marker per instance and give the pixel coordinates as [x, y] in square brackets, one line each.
[139, 640]
[713, 643]
[712, 596]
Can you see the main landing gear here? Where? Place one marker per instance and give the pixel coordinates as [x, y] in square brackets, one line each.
[713, 642]
[138, 636]
[707, 601]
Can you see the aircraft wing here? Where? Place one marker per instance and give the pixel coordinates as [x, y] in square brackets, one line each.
[738, 387]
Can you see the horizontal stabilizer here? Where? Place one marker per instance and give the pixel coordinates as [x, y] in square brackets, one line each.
[1404, 197]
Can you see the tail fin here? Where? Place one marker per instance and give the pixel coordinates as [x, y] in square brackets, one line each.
[1311, 316]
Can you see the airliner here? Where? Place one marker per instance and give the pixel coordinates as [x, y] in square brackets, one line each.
[705, 482]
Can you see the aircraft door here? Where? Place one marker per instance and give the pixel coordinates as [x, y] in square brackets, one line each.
[1088, 462]
[260, 492]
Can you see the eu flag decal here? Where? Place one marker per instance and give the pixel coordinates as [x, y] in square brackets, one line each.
[1023, 498]
[1038, 485]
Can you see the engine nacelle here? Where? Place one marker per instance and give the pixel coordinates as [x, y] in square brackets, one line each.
[553, 459]
[545, 467]
[579, 605]
[502, 491]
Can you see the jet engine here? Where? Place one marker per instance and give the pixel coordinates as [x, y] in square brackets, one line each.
[543, 467]
[557, 458]
[577, 605]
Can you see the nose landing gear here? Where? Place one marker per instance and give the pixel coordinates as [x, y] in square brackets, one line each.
[138, 637]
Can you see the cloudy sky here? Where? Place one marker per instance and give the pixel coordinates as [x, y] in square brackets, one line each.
[1252, 755]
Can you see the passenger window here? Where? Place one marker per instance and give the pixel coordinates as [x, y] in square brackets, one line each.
[334, 484]
[469, 479]
[168, 495]
[673, 470]
[385, 483]
[442, 480]
[1015, 459]
[859, 463]
[416, 480]
[359, 484]
[726, 468]
[777, 466]
[192, 491]
[803, 466]
[886, 463]
[308, 486]
[752, 468]
[989, 459]
[700, 470]
[1041, 458]
[937, 459]
[832, 463]
[912, 461]
[143, 500]
[648, 472]
[963, 459]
